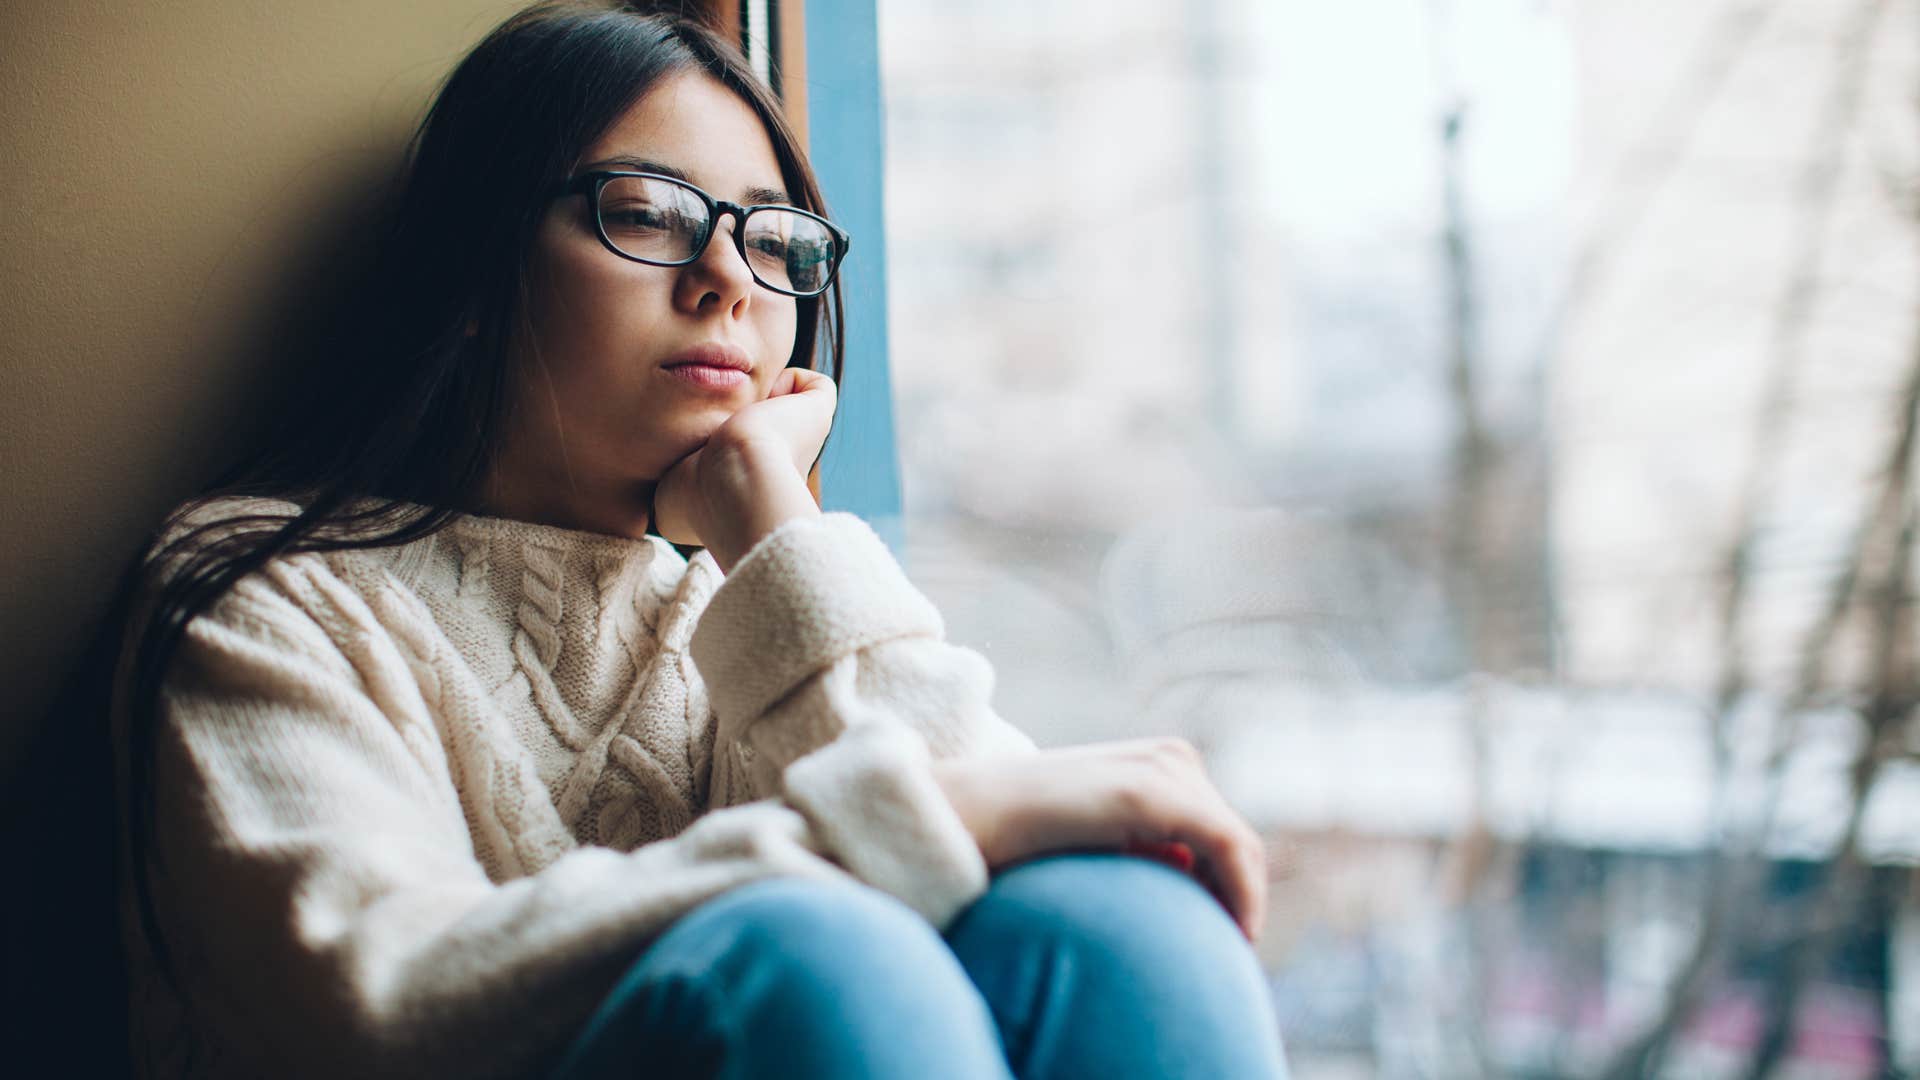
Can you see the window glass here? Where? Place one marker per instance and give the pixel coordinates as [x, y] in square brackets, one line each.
[1483, 428]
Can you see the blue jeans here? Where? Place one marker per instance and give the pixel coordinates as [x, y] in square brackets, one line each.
[1080, 965]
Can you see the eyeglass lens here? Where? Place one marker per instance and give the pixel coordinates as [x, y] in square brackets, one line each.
[661, 221]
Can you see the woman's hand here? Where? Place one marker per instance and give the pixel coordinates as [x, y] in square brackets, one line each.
[1143, 795]
[795, 415]
[750, 475]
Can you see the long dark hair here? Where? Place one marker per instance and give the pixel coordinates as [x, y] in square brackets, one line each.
[415, 403]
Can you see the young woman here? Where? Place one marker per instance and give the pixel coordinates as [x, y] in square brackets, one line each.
[437, 762]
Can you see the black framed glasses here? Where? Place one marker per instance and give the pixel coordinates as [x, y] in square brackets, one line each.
[665, 221]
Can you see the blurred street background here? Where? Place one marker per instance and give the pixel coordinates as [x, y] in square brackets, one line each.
[1485, 428]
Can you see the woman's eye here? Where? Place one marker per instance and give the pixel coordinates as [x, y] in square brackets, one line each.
[769, 245]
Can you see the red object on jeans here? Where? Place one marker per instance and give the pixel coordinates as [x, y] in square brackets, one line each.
[1172, 852]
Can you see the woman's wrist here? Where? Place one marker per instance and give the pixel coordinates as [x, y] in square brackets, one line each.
[750, 490]
[957, 779]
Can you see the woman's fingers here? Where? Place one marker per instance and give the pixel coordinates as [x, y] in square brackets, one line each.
[1231, 856]
[1251, 874]
[797, 412]
[1236, 868]
[797, 380]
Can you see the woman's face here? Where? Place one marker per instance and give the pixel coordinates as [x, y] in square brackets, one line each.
[598, 412]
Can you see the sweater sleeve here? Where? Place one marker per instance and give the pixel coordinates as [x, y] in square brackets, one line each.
[319, 888]
[832, 685]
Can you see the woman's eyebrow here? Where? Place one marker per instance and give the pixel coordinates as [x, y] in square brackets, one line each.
[753, 195]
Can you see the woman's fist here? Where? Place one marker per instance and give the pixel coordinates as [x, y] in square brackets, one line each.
[795, 415]
[750, 475]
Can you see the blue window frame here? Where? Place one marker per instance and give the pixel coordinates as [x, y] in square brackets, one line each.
[861, 470]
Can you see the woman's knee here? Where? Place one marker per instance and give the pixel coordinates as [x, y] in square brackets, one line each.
[798, 977]
[817, 916]
[821, 949]
[1067, 944]
[1113, 903]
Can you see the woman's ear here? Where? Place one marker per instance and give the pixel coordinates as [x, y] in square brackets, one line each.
[473, 327]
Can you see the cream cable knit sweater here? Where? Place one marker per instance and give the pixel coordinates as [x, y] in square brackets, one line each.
[420, 806]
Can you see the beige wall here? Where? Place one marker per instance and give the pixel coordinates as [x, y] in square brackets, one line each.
[172, 178]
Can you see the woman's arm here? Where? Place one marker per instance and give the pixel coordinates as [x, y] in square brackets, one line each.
[830, 680]
[828, 676]
[320, 888]
[817, 648]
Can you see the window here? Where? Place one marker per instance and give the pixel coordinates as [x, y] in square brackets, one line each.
[1376, 393]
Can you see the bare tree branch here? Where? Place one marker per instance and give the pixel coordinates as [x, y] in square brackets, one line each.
[1892, 680]
[1732, 870]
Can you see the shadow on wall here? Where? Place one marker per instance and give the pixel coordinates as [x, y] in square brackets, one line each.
[65, 991]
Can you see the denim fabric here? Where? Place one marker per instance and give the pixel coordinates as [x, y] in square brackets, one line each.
[1079, 965]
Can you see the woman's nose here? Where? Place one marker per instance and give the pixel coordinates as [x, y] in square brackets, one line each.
[720, 270]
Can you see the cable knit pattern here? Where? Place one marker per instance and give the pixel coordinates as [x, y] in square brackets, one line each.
[540, 600]
[421, 805]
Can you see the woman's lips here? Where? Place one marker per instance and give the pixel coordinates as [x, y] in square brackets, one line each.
[711, 365]
[709, 376]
